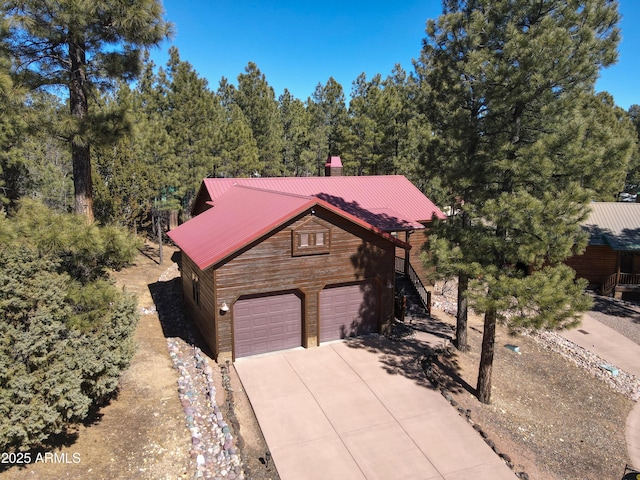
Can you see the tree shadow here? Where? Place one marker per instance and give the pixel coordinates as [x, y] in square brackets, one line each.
[617, 308]
[405, 351]
[383, 219]
[626, 240]
[174, 321]
[150, 252]
[413, 349]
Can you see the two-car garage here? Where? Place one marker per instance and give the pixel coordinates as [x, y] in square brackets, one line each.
[274, 321]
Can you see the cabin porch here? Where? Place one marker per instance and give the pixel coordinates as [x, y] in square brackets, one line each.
[619, 283]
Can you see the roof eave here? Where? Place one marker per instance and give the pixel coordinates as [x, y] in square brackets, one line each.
[223, 256]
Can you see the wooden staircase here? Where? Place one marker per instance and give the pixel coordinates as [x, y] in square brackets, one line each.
[409, 285]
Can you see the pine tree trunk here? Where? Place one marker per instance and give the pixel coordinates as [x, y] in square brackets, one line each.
[463, 307]
[486, 357]
[83, 204]
[80, 153]
[461, 316]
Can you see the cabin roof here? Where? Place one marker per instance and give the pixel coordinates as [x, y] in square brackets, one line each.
[388, 202]
[616, 224]
[243, 214]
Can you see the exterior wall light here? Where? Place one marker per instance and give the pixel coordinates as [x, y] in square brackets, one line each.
[224, 308]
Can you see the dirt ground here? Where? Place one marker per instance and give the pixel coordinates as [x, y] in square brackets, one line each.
[552, 419]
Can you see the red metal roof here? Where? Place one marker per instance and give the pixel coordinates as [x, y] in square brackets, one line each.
[243, 214]
[389, 202]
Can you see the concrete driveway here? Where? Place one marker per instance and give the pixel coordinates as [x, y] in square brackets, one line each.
[361, 409]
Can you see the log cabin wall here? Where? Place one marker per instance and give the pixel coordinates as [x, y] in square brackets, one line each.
[596, 263]
[269, 266]
[199, 299]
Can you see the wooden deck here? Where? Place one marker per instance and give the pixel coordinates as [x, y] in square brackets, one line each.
[618, 283]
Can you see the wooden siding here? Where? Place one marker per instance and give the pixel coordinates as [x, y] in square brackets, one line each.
[202, 313]
[268, 266]
[596, 263]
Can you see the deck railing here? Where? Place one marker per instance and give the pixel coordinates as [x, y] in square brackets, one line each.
[399, 265]
[612, 281]
[423, 293]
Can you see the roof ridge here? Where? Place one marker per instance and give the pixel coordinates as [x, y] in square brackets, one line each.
[277, 192]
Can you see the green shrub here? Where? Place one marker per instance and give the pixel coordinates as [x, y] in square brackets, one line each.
[63, 345]
[85, 251]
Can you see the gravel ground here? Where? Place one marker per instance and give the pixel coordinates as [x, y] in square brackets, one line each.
[622, 316]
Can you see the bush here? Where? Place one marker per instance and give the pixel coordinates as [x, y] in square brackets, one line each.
[63, 344]
[85, 251]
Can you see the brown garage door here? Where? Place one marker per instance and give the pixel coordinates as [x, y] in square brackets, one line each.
[347, 311]
[267, 324]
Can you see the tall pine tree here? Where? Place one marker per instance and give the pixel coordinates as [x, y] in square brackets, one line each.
[500, 81]
[257, 101]
[329, 124]
[296, 153]
[192, 118]
[81, 46]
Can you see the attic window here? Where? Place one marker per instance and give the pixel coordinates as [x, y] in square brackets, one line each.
[310, 239]
[303, 239]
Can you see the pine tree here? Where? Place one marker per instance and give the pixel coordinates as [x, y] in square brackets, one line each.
[126, 182]
[296, 154]
[82, 47]
[154, 146]
[66, 333]
[257, 101]
[45, 155]
[632, 181]
[329, 124]
[366, 130]
[239, 155]
[11, 125]
[500, 81]
[607, 139]
[192, 118]
[402, 116]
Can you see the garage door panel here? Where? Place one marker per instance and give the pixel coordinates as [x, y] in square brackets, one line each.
[267, 323]
[347, 311]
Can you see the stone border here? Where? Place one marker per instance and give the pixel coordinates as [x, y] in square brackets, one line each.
[212, 445]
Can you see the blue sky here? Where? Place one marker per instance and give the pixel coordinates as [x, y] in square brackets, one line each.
[298, 44]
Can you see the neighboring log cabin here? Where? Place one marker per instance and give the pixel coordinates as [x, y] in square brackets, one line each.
[611, 262]
[277, 263]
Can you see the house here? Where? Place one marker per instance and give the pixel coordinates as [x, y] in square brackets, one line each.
[275, 263]
[611, 261]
